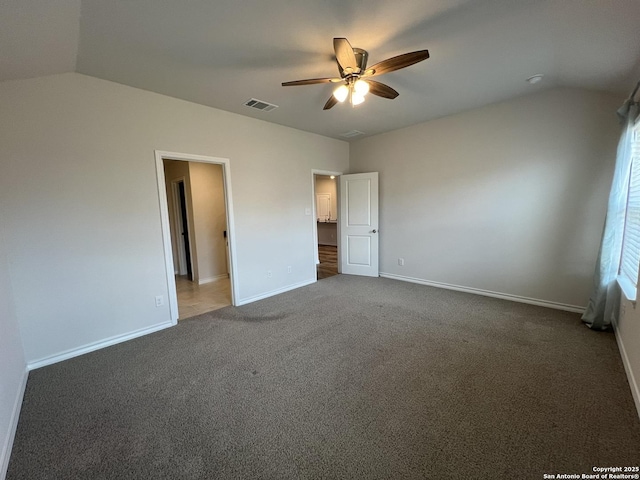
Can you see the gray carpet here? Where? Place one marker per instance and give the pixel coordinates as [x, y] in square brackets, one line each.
[347, 378]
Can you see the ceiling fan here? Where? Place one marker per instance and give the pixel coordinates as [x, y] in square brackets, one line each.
[354, 74]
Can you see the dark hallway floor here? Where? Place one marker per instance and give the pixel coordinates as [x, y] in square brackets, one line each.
[328, 261]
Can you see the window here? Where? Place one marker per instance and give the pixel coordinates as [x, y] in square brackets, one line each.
[630, 255]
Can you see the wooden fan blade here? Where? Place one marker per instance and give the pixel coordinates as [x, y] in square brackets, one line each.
[396, 63]
[345, 56]
[330, 103]
[381, 90]
[311, 81]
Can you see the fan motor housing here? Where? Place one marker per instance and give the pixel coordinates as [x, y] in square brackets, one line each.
[361, 60]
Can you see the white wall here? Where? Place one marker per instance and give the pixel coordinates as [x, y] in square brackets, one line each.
[13, 368]
[508, 198]
[628, 336]
[209, 219]
[82, 211]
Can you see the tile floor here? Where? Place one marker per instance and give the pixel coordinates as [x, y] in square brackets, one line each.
[194, 299]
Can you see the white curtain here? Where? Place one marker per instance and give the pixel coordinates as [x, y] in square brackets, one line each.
[605, 298]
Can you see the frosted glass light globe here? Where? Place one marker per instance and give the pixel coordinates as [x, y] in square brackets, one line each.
[341, 93]
[356, 98]
[361, 87]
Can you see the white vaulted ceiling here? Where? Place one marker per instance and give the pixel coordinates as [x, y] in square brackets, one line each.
[221, 53]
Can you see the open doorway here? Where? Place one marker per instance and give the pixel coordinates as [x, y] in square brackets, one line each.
[325, 193]
[197, 225]
[181, 246]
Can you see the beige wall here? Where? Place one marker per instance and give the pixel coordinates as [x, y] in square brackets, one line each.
[80, 205]
[209, 220]
[508, 198]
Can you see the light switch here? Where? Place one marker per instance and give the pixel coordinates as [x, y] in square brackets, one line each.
[307, 211]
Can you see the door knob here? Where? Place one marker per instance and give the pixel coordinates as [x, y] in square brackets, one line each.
[375, 231]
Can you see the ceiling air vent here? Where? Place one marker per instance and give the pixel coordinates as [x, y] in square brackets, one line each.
[260, 105]
[351, 134]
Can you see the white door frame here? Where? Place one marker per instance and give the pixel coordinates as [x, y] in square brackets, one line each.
[314, 218]
[166, 232]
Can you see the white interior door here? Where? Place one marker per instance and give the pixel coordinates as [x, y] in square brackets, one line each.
[323, 207]
[359, 224]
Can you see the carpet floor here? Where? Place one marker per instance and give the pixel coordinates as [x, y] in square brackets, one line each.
[346, 378]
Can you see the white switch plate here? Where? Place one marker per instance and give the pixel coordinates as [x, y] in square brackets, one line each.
[307, 211]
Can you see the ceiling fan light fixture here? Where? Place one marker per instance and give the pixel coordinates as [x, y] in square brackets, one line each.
[361, 87]
[352, 65]
[341, 93]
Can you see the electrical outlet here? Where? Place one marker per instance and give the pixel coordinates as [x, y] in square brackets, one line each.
[159, 301]
[401, 261]
[269, 274]
[289, 269]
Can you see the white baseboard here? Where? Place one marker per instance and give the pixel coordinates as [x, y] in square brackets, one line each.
[635, 391]
[202, 281]
[488, 293]
[262, 296]
[5, 454]
[107, 342]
